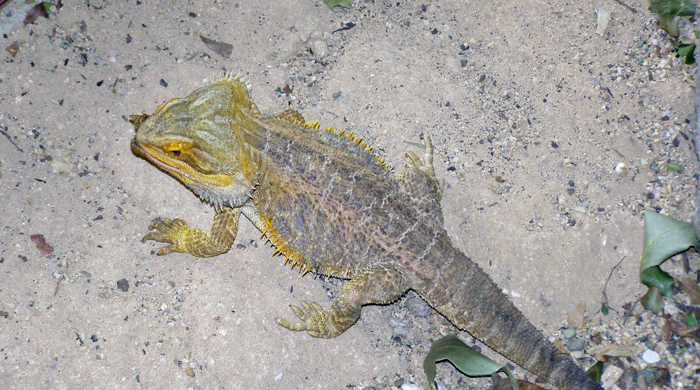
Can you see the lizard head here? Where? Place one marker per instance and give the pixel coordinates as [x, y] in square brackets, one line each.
[198, 140]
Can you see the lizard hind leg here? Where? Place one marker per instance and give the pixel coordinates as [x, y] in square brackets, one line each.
[418, 177]
[381, 284]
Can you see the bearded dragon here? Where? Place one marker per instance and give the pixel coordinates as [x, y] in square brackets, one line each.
[329, 205]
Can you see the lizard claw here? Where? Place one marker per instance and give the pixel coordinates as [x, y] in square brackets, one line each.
[426, 165]
[170, 231]
[314, 320]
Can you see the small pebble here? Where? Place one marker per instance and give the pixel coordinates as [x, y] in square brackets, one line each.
[650, 357]
[569, 333]
[123, 285]
[621, 169]
[60, 167]
[578, 345]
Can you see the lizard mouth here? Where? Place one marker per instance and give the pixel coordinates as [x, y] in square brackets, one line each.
[180, 170]
[220, 190]
[143, 153]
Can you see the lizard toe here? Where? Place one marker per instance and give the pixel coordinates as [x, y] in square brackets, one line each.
[169, 231]
[314, 320]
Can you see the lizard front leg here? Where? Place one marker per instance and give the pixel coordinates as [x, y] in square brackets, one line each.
[381, 284]
[197, 242]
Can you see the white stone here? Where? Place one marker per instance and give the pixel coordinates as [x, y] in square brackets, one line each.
[621, 169]
[650, 356]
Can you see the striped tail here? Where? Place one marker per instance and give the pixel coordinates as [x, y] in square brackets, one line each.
[461, 291]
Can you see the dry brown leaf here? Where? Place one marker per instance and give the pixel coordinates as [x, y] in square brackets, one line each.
[44, 247]
[691, 288]
[12, 49]
[665, 329]
[602, 354]
[560, 346]
[221, 48]
[619, 351]
[35, 13]
[577, 316]
[686, 331]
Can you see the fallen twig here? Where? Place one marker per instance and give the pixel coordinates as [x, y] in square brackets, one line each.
[605, 286]
[626, 6]
[10, 139]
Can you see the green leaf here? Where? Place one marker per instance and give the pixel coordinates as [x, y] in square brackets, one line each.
[652, 300]
[342, 3]
[595, 372]
[660, 279]
[690, 319]
[671, 166]
[670, 8]
[465, 359]
[687, 51]
[604, 309]
[669, 11]
[663, 238]
[685, 40]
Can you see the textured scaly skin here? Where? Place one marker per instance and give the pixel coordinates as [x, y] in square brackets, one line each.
[330, 206]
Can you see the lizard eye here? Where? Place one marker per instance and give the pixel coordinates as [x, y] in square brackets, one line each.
[177, 149]
[174, 150]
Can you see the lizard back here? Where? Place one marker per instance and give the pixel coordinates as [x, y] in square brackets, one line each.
[332, 202]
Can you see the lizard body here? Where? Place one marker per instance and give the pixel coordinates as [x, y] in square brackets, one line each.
[329, 205]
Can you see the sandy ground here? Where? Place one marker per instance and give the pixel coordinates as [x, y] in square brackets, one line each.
[529, 109]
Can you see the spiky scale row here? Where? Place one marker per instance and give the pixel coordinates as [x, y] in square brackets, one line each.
[278, 241]
[315, 125]
[282, 247]
[357, 140]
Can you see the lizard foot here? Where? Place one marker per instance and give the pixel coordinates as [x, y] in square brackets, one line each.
[314, 320]
[170, 231]
[426, 166]
[419, 175]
